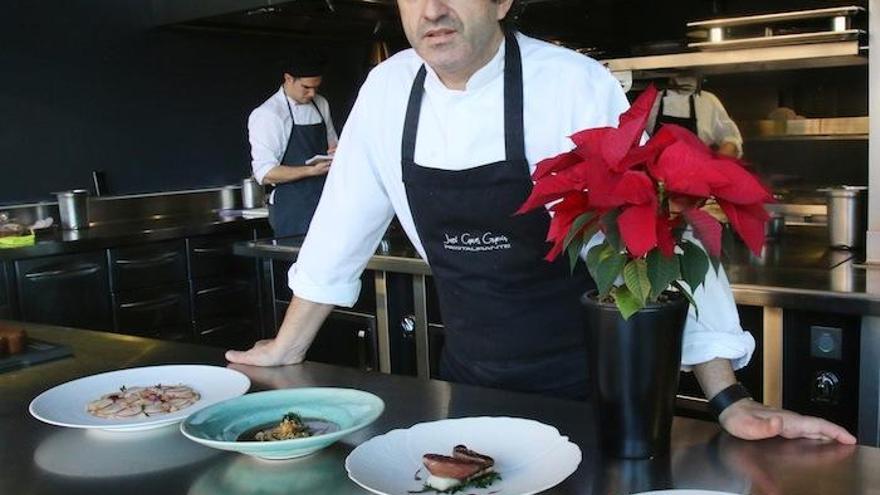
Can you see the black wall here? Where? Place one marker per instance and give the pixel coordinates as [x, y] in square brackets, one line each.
[93, 85]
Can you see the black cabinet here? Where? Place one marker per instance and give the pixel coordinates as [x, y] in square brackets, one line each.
[159, 312]
[149, 265]
[5, 293]
[210, 256]
[71, 290]
[224, 290]
[225, 311]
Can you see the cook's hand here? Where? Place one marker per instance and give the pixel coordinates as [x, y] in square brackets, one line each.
[331, 150]
[320, 168]
[752, 420]
[266, 353]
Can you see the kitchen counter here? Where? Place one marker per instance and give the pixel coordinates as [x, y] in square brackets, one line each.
[798, 271]
[40, 459]
[101, 235]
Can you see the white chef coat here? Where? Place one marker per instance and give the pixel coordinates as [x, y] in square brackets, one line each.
[564, 92]
[714, 125]
[269, 127]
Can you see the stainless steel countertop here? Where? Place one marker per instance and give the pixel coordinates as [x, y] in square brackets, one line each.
[101, 235]
[798, 271]
[40, 459]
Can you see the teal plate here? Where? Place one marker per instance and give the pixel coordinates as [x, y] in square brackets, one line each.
[334, 412]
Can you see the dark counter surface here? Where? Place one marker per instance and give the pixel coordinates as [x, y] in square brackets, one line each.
[797, 271]
[101, 235]
[41, 459]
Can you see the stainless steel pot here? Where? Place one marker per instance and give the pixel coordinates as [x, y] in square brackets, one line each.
[847, 216]
[252, 194]
[73, 207]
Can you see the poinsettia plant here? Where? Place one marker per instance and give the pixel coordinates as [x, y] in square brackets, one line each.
[643, 197]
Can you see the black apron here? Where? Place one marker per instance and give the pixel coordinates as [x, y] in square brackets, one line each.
[295, 202]
[689, 122]
[512, 320]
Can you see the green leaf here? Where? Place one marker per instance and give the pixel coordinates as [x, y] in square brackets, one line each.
[626, 302]
[694, 264]
[635, 274]
[716, 263]
[688, 295]
[593, 258]
[576, 227]
[612, 234]
[611, 263]
[662, 271]
[574, 253]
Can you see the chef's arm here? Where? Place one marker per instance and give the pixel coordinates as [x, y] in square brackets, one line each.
[301, 323]
[714, 376]
[291, 173]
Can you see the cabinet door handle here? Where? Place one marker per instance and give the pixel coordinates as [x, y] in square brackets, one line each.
[218, 328]
[155, 260]
[75, 271]
[160, 259]
[159, 302]
[223, 288]
[210, 250]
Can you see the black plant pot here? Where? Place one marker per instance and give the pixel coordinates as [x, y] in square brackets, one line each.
[634, 368]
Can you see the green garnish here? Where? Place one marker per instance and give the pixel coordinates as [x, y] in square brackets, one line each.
[483, 481]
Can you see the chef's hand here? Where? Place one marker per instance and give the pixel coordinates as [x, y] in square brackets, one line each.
[728, 149]
[331, 150]
[320, 168]
[752, 420]
[266, 353]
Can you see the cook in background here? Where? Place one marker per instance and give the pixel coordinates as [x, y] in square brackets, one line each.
[684, 103]
[287, 130]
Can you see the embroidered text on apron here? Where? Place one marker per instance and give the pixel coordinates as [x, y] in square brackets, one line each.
[294, 203]
[512, 320]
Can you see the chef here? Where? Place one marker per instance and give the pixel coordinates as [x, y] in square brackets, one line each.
[446, 136]
[685, 104]
[285, 132]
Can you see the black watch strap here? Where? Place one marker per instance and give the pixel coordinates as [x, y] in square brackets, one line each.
[728, 396]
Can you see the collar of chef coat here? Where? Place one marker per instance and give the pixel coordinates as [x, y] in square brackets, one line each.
[482, 77]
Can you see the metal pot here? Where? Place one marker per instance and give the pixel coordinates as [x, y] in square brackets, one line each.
[847, 215]
[252, 194]
[73, 207]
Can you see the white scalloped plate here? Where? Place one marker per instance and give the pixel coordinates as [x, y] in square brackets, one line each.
[65, 405]
[530, 456]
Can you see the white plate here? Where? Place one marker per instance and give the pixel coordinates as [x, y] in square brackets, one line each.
[65, 405]
[530, 456]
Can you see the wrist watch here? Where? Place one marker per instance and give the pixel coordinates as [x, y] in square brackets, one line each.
[728, 396]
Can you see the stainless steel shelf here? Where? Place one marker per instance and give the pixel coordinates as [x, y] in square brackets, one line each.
[837, 128]
[800, 56]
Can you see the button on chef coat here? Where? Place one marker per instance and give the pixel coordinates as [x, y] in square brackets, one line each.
[269, 128]
[458, 129]
[714, 125]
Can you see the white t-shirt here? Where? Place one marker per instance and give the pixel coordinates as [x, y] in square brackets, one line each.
[269, 127]
[714, 125]
[564, 92]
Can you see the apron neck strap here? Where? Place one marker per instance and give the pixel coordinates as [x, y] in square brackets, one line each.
[514, 135]
[290, 110]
